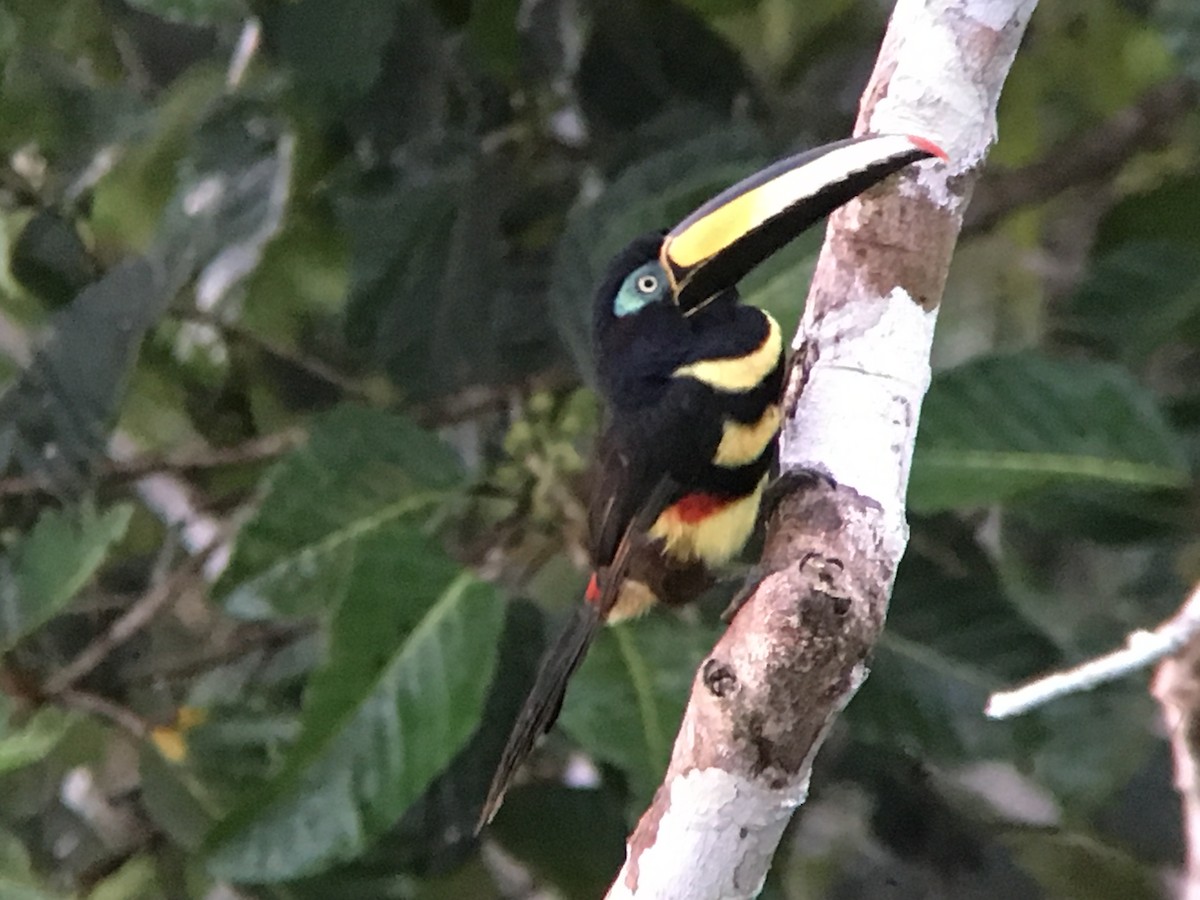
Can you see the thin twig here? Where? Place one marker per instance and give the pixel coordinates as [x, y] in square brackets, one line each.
[94, 704]
[137, 617]
[244, 52]
[310, 365]
[1091, 156]
[1142, 648]
[260, 449]
[269, 637]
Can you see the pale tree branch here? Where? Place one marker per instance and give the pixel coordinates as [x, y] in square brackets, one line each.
[796, 652]
[1176, 687]
[1142, 648]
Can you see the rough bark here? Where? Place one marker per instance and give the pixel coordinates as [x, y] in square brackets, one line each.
[1176, 687]
[797, 651]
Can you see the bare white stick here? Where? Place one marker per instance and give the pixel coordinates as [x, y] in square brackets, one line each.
[793, 656]
[1142, 648]
[244, 52]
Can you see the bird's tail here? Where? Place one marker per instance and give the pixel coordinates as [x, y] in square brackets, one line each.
[544, 702]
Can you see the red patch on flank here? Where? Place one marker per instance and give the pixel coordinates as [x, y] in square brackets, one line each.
[692, 508]
[929, 147]
[592, 594]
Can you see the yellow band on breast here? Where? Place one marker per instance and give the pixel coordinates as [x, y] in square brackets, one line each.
[739, 373]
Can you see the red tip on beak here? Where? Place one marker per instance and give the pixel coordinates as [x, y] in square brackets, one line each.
[592, 594]
[929, 147]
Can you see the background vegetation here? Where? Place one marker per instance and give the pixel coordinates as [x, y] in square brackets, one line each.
[294, 365]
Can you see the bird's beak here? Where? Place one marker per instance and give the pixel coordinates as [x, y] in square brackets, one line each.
[719, 243]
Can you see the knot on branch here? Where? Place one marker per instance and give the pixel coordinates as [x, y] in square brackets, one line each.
[718, 677]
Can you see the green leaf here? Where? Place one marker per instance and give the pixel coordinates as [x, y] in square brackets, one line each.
[952, 637]
[626, 701]
[30, 741]
[48, 566]
[540, 825]
[55, 418]
[997, 427]
[363, 474]
[1168, 213]
[388, 712]
[195, 12]
[336, 57]
[1072, 866]
[17, 879]
[1179, 21]
[1137, 297]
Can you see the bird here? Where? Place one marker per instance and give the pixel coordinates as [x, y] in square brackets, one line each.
[692, 381]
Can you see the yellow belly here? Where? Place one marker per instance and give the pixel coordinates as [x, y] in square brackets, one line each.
[633, 600]
[716, 538]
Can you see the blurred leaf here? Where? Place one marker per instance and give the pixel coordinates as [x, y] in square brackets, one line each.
[233, 186]
[642, 57]
[50, 259]
[1179, 21]
[651, 194]
[1108, 513]
[365, 478]
[1077, 867]
[29, 742]
[439, 829]
[952, 638]
[54, 419]
[720, 7]
[175, 799]
[50, 564]
[1085, 747]
[625, 703]
[334, 57]
[17, 880]
[541, 824]
[492, 31]
[196, 12]
[135, 880]
[437, 833]
[389, 712]
[431, 297]
[999, 426]
[1138, 296]
[1169, 213]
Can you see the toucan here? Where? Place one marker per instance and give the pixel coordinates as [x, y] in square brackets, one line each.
[692, 380]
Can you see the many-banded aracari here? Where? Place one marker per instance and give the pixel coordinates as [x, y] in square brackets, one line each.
[692, 380]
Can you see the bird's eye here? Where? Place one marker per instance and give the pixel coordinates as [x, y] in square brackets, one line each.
[647, 284]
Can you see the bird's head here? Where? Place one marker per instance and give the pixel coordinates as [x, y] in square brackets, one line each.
[681, 271]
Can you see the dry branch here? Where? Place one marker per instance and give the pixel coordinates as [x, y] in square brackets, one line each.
[796, 652]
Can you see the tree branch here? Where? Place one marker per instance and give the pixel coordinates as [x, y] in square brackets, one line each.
[796, 652]
[1142, 648]
[1176, 687]
[188, 576]
[260, 449]
[1086, 158]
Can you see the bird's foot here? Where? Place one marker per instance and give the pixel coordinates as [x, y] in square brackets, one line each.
[749, 585]
[788, 483]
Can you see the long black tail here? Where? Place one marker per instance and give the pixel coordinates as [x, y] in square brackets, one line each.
[544, 702]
